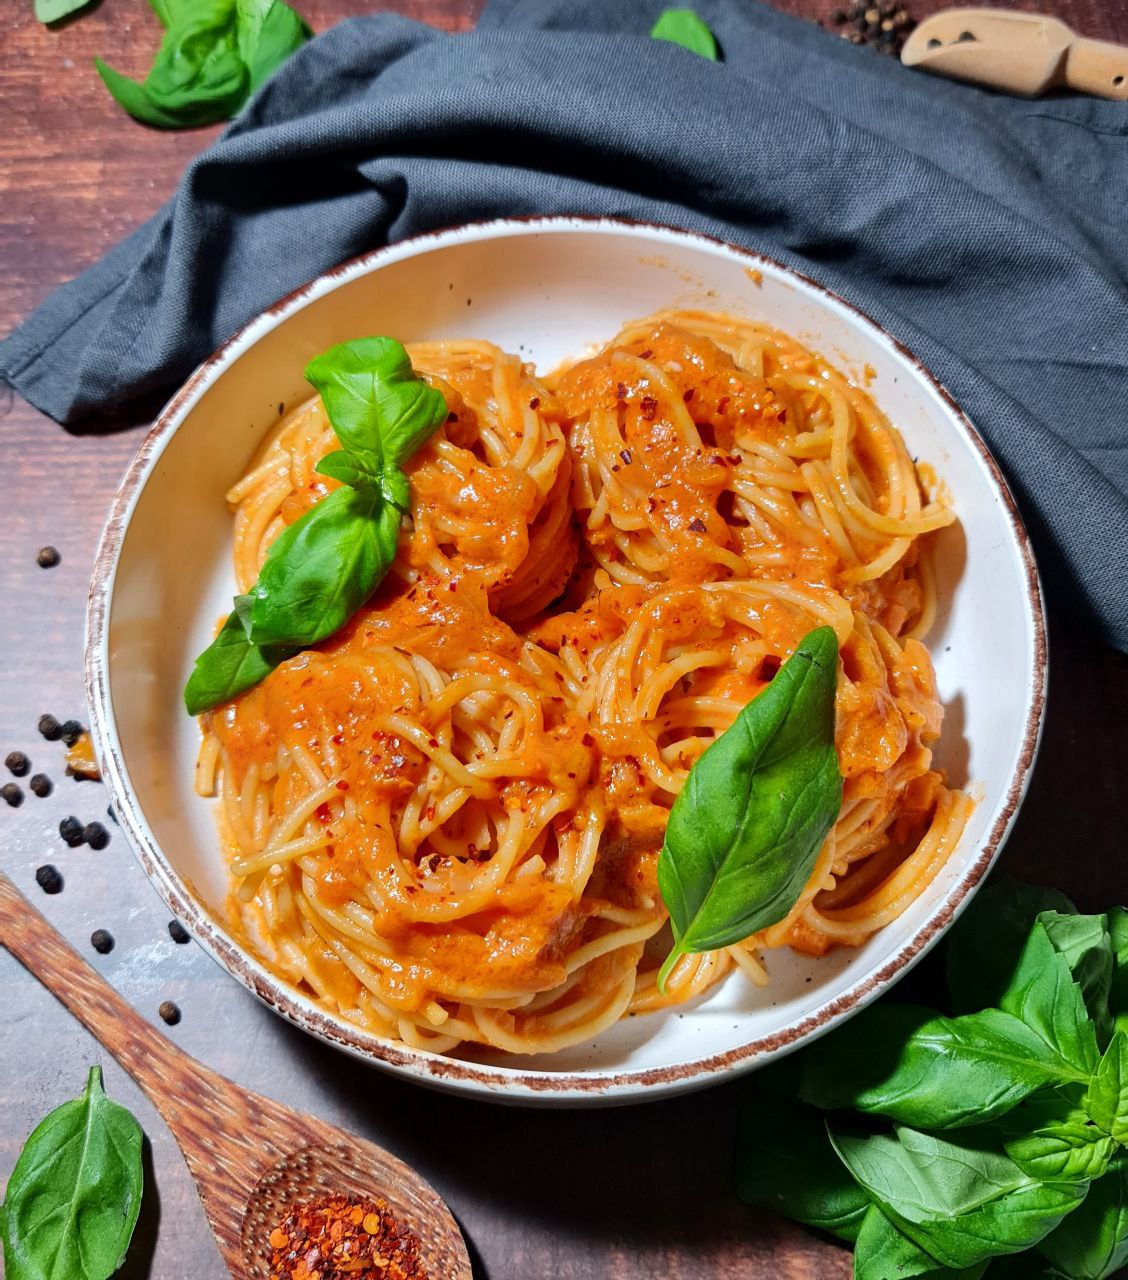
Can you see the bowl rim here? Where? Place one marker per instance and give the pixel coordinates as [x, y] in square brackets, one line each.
[505, 1083]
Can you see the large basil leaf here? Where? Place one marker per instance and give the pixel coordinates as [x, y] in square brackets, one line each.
[1085, 943]
[1107, 1099]
[268, 32]
[884, 1252]
[1051, 1138]
[322, 568]
[73, 1198]
[929, 1071]
[958, 1198]
[683, 27]
[985, 943]
[1118, 991]
[1092, 1243]
[1043, 994]
[374, 400]
[229, 665]
[784, 1162]
[744, 832]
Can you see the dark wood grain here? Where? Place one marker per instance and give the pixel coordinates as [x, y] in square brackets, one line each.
[628, 1194]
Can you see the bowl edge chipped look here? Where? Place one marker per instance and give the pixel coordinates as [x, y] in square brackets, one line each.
[550, 288]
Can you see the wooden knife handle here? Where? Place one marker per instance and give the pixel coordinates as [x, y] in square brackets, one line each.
[1097, 67]
[149, 1058]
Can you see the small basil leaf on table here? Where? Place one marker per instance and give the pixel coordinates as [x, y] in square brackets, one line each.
[957, 1197]
[323, 567]
[73, 1198]
[1085, 943]
[925, 1070]
[1107, 1099]
[53, 10]
[784, 1162]
[1051, 1138]
[231, 664]
[745, 830]
[1092, 1243]
[883, 1252]
[985, 943]
[685, 28]
[1043, 994]
[268, 32]
[374, 400]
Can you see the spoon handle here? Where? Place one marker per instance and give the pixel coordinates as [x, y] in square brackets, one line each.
[1098, 67]
[156, 1065]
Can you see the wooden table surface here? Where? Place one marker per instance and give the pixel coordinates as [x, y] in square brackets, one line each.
[632, 1193]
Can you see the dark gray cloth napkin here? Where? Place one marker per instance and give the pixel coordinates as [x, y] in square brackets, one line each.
[988, 234]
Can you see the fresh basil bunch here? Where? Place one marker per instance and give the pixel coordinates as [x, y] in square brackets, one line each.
[214, 55]
[1009, 1117]
[323, 567]
[73, 1198]
[745, 830]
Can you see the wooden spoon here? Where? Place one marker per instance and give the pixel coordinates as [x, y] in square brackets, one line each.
[251, 1158]
[1021, 53]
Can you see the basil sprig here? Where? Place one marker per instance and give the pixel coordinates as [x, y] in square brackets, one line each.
[1010, 1121]
[323, 567]
[746, 828]
[214, 55]
[73, 1198]
[684, 27]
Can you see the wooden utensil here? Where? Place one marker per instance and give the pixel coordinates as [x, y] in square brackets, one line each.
[251, 1158]
[1020, 53]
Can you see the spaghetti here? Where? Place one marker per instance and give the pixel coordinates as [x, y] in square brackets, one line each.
[444, 821]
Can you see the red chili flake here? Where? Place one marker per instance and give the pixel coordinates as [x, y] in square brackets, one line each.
[723, 404]
[534, 403]
[620, 390]
[769, 665]
[648, 407]
[645, 355]
[614, 466]
[625, 454]
[342, 785]
[588, 740]
[697, 524]
[687, 396]
[322, 813]
[783, 415]
[432, 742]
[338, 738]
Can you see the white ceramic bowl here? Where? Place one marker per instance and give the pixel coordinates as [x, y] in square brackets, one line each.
[549, 289]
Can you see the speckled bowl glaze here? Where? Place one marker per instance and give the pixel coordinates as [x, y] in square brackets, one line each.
[550, 289]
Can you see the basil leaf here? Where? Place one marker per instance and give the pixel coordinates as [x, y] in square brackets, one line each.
[1118, 990]
[133, 97]
[1085, 943]
[958, 1198]
[1092, 1243]
[322, 568]
[883, 1252]
[374, 400]
[229, 665]
[73, 1198]
[53, 10]
[1107, 1098]
[784, 1162]
[985, 943]
[364, 471]
[1051, 1138]
[1043, 994]
[929, 1071]
[268, 32]
[684, 27]
[744, 832]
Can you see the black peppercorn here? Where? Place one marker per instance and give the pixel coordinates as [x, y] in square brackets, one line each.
[70, 732]
[41, 784]
[47, 558]
[48, 879]
[72, 831]
[95, 835]
[17, 763]
[102, 941]
[12, 794]
[50, 728]
[177, 932]
[169, 1012]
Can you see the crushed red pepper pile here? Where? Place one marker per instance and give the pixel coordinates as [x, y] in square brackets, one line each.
[335, 1237]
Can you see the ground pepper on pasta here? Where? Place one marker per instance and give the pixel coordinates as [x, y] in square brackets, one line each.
[444, 821]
